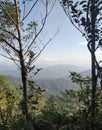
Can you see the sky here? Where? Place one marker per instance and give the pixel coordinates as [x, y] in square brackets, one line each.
[67, 47]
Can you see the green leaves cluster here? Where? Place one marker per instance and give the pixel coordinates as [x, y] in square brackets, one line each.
[9, 100]
[35, 94]
[79, 13]
[6, 8]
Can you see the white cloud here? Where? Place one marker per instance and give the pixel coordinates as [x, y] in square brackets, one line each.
[52, 59]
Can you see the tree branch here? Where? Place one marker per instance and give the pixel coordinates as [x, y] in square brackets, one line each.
[30, 10]
[11, 58]
[71, 20]
[10, 45]
[7, 13]
[35, 58]
[9, 33]
[37, 34]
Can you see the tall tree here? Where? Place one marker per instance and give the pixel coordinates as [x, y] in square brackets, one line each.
[86, 16]
[21, 25]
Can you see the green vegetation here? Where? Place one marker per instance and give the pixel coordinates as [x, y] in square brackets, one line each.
[9, 101]
[70, 110]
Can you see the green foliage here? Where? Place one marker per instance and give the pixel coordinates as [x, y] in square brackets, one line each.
[50, 116]
[68, 111]
[79, 13]
[35, 94]
[84, 97]
[3, 127]
[21, 124]
[71, 110]
[9, 100]
[7, 9]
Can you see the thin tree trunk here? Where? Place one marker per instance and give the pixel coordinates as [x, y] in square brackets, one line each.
[24, 82]
[22, 63]
[94, 79]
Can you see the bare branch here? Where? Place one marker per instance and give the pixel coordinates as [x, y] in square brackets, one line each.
[9, 33]
[9, 57]
[24, 8]
[12, 47]
[88, 45]
[37, 34]
[35, 58]
[13, 59]
[51, 7]
[29, 10]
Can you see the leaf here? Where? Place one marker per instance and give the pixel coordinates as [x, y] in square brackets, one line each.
[74, 15]
[33, 108]
[34, 102]
[80, 12]
[76, 20]
[83, 21]
[82, 2]
[73, 8]
[100, 42]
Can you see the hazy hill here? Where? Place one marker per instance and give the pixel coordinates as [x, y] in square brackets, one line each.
[51, 86]
[53, 79]
[10, 71]
[56, 86]
[57, 71]
[86, 73]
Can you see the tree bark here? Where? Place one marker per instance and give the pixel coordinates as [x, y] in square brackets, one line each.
[22, 62]
[94, 78]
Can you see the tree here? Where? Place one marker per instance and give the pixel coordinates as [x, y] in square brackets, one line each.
[20, 37]
[86, 16]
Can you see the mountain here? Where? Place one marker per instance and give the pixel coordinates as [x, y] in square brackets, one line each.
[57, 71]
[51, 86]
[54, 79]
[86, 73]
[56, 86]
[9, 70]
[50, 72]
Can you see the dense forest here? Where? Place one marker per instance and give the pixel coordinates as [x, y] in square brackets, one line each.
[23, 102]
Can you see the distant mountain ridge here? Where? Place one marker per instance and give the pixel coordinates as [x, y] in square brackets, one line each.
[54, 79]
[86, 73]
[56, 86]
[57, 71]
